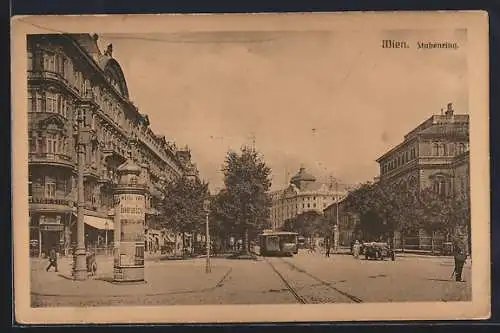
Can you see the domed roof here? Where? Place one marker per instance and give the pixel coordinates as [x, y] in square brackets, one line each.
[302, 175]
[129, 167]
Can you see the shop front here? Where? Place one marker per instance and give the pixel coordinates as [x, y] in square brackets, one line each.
[47, 231]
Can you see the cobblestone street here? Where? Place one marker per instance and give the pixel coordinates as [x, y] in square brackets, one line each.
[305, 278]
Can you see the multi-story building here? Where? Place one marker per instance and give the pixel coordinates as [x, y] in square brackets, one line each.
[70, 78]
[303, 194]
[427, 154]
[434, 154]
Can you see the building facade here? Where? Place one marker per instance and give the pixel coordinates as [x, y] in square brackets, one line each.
[348, 222]
[426, 157]
[303, 194]
[434, 154]
[70, 79]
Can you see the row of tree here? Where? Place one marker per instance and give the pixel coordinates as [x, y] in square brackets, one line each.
[384, 208]
[241, 209]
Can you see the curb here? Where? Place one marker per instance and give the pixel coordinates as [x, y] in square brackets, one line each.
[218, 284]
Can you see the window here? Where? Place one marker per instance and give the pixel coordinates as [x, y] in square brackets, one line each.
[442, 150]
[461, 148]
[50, 189]
[49, 62]
[51, 100]
[31, 106]
[30, 60]
[39, 102]
[308, 205]
[435, 149]
[52, 147]
[60, 105]
[39, 145]
[31, 144]
[451, 149]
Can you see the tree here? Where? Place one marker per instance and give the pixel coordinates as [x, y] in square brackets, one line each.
[308, 224]
[182, 208]
[383, 209]
[245, 201]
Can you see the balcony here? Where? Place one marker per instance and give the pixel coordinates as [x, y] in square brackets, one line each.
[50, 205]
[435, 160]
[60, 160]
[53, 77]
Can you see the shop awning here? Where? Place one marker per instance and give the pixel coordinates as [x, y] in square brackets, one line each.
[98, 222]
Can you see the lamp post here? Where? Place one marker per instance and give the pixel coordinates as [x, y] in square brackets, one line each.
[80, 269]
[206, 207]
[106, 236]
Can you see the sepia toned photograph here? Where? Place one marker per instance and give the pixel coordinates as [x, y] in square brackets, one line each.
[254, 167]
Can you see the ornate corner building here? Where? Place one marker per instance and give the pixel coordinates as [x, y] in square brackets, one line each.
[68, 75]
[303, 194]
[434, 155]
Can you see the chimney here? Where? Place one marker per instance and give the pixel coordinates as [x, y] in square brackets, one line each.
[449, 109]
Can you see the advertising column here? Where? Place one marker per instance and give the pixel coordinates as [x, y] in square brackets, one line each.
[129, 227]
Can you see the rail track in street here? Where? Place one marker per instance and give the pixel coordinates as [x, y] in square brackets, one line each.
[312, 289]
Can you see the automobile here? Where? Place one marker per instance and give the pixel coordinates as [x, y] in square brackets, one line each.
[378, 251]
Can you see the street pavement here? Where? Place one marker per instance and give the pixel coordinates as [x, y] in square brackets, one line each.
[305, 278]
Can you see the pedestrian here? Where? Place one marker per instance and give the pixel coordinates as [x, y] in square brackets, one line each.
[52, 259]
[355, 249]
[460, 257]
[327, 249]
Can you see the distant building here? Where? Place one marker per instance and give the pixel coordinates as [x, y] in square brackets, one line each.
[303, 194]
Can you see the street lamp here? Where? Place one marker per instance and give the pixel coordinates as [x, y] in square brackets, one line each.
[206, 207]
[80, 268]
[106, 236]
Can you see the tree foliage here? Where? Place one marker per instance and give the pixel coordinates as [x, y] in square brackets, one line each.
[244, 204]
[308, 224]
[384, 208]
[182, 207]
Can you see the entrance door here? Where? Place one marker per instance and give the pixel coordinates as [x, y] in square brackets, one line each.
[50, 239]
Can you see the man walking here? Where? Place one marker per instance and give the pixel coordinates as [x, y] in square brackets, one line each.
[52, 259]
[460, 257]
[327, 253]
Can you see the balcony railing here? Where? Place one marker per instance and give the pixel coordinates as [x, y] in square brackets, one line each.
[51, 158]
[49, 75]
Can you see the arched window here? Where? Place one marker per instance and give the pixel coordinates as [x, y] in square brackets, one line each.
[441, 186]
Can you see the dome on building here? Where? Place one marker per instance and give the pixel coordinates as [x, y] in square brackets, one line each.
[302, 176]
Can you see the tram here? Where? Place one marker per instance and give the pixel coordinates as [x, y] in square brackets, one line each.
[278, 243]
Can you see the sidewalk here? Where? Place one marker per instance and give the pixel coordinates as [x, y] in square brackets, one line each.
[165, 277]
[406, 254]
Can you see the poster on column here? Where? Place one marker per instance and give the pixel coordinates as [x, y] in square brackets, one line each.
[131, 215]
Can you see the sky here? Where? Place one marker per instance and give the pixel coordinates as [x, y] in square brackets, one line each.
[330, 101]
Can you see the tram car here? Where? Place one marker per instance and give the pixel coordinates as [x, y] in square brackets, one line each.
[278, 243]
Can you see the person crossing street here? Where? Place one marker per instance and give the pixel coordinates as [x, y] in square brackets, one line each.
[52, 259]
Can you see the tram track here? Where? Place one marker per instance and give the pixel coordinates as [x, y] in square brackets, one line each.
[353, 298]
[320, 282]
[289, 287]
